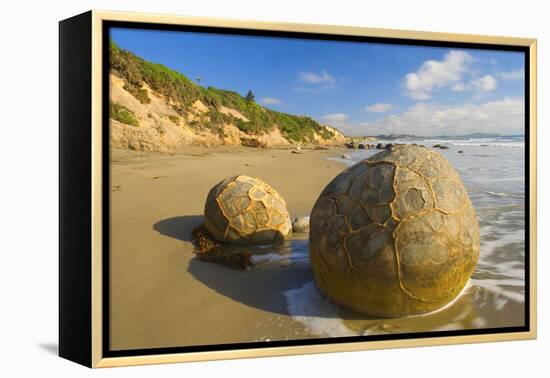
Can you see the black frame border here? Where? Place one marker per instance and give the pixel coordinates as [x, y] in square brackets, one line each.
[107, 25]
[75, 195]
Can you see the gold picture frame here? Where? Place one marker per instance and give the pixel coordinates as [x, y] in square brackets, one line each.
[82, 245]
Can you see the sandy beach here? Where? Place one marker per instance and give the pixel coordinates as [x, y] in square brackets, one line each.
[160, 295]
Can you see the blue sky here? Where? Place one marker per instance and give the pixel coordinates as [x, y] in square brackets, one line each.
[360, 88]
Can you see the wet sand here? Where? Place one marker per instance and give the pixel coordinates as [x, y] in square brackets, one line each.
[160, 295]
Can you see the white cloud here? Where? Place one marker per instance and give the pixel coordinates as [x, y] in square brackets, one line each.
[379, 107]
[271, 101]
[518, 74]
[434, 74]
[335, 119]
[485, 83]
[313, 78]
[505, 116]
[315, 82]
[459, 87]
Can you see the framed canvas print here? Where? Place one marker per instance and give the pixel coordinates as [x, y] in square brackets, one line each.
[235, 189]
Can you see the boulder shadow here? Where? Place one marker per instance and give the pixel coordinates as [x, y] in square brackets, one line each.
[260, 287]
[264, 287]
[179, 228]
[257, 288]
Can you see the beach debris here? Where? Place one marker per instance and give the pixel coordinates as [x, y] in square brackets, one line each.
[320, 148]
[298, 148]
[344, 156]
[300, 225]
[201, 154]
[460, 151]
[209, 250]
[246, 210]
[395, 234]
[296, 152]
[251, 142]
[117, 188]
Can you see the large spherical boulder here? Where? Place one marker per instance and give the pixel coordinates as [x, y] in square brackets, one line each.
[394, 234]
[243, 209]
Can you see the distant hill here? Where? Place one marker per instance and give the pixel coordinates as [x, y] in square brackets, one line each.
[396, 136]
[418, 137]
[155, 108]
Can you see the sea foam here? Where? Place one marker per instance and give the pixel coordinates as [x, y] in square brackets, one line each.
[317, 314]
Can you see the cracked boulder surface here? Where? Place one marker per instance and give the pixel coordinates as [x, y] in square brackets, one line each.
[395, 234]
[242, 209]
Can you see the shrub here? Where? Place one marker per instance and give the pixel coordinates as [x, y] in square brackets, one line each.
[142, 96]
[135, 71]
[251, 142]
[218, 118]
[122, 114]
[175, 119]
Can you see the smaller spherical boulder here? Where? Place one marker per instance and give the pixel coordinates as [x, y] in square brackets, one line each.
[242, 209]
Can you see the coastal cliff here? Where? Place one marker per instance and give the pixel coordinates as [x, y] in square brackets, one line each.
[153, 108]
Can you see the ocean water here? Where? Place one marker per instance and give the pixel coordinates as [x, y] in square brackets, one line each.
[493, 171]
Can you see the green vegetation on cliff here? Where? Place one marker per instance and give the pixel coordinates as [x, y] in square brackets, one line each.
[122, 114]
[136, 71]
